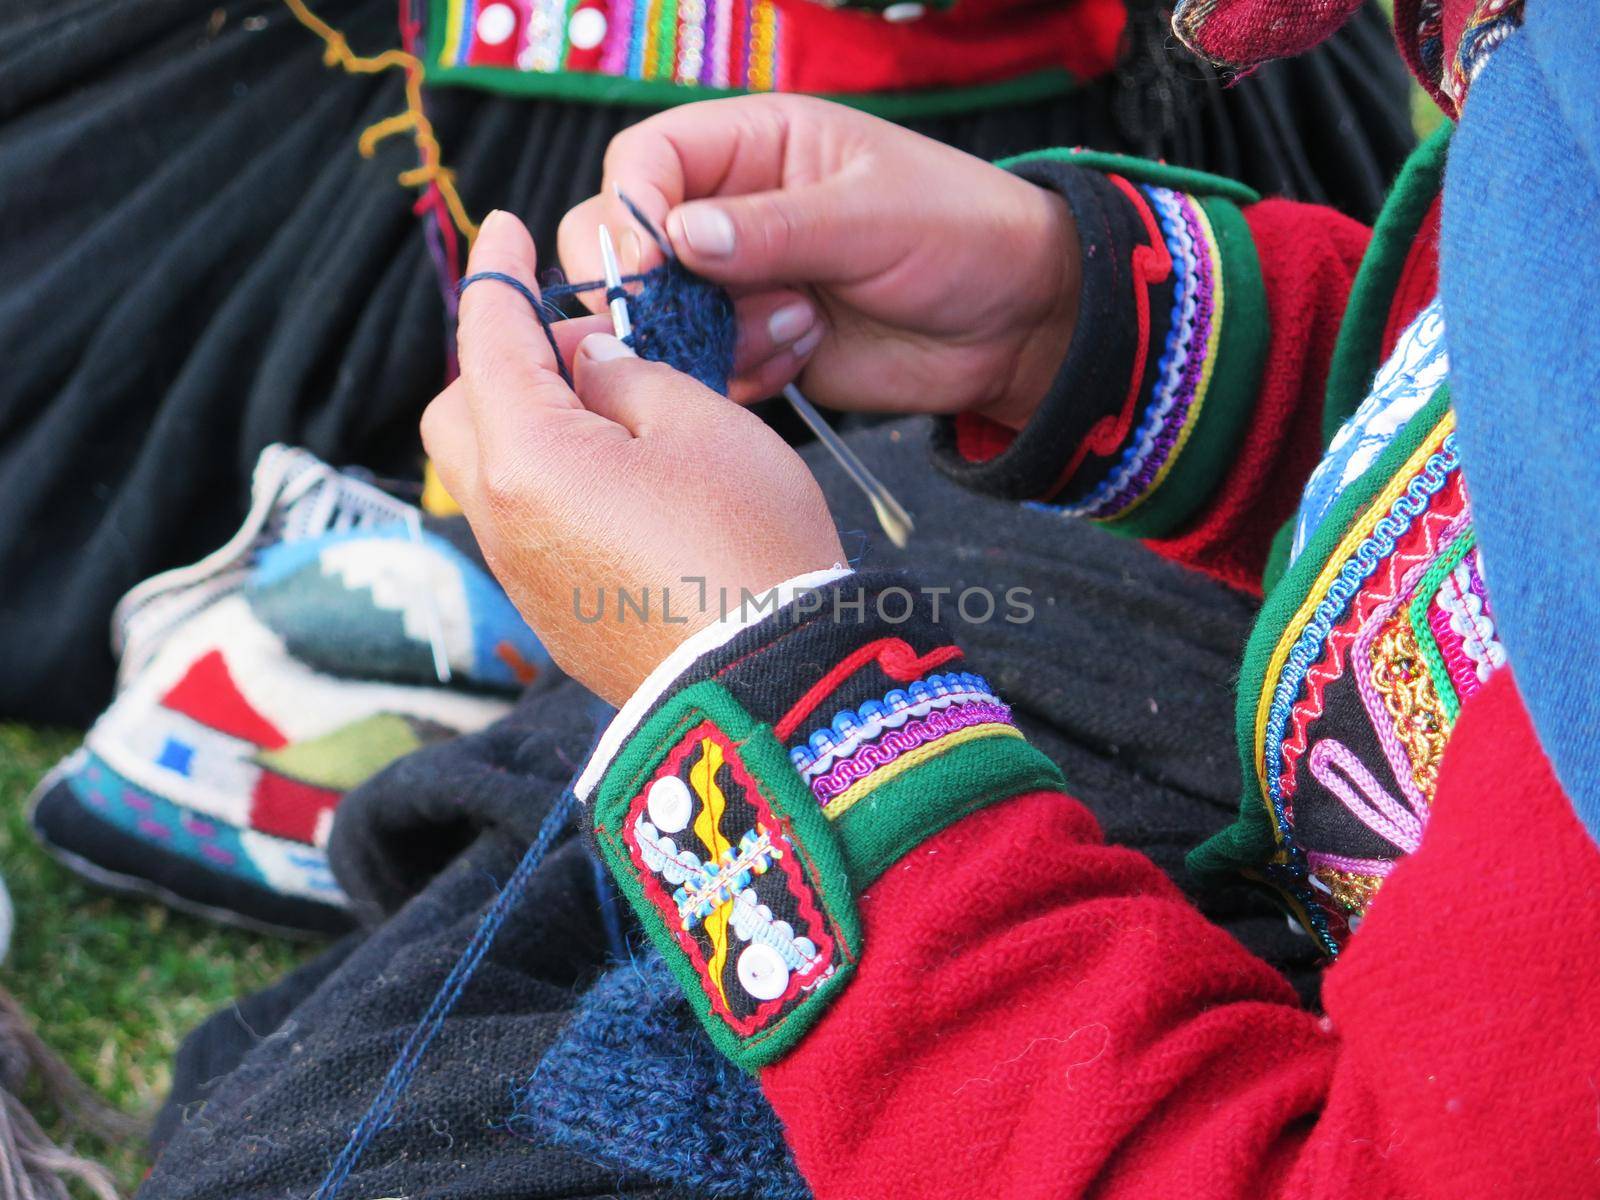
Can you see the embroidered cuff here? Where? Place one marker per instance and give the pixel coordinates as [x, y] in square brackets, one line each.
[1148, 405]
[776, 778]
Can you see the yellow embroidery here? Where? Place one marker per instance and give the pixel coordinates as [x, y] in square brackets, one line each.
[1406, 685]
[708, 828]
[1350, 891]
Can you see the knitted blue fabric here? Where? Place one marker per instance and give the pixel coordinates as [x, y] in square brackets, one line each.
[679, 318]
[635, 1083]
[1520, 278]
[686, 322]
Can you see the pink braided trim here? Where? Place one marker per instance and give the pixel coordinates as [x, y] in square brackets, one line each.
[870, 756]
[1364, 796]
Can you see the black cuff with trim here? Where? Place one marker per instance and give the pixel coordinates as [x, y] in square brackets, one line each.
[1095, 381]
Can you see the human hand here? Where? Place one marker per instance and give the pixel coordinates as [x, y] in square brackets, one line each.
[897, 274]
[637, 478]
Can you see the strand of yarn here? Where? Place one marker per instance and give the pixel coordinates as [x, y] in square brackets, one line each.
[32, 1165]
[381, 1110]
[430, 173]
[679, 318]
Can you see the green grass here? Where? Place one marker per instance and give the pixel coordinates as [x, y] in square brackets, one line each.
[112, 984]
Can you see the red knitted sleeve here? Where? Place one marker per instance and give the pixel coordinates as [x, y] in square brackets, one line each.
[1038, 1015]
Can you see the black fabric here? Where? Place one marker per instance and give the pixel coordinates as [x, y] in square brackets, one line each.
[1093, 380]
[196, 262]
[1123, 678]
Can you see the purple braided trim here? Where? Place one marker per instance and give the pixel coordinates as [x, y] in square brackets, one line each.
[870, 756]
[1194, 366]
[1316, 859]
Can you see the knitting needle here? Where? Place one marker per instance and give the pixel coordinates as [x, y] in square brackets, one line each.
[896, 521]
[620, 322]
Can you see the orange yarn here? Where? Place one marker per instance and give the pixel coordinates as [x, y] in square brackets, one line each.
[430, 171]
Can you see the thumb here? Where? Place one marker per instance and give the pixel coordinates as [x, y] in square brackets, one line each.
[811, 234]
[616, 384]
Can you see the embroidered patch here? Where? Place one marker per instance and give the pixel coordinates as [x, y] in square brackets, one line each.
[1349, 744]
[721, 850]
[724, 874]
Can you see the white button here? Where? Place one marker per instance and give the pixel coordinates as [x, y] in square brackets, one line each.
[496, 23]
[587, 29]
[670, 805]
[762, 972]
[905, 12]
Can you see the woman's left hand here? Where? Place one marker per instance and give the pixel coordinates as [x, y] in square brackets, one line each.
[637, 478]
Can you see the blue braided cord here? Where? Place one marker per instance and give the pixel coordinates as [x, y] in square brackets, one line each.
[1377, 546]
[381, 1110]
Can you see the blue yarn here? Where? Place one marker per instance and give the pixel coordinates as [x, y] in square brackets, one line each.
[634, 1084]
[610, 905]
[399, 1078]
[679, 318]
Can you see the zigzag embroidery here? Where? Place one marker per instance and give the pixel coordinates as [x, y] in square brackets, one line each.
[1368, 600]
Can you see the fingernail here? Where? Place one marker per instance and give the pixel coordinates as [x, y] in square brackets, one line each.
[707, 230]
[602, 347]
[496, 217]
[789, 322]
[804, 347]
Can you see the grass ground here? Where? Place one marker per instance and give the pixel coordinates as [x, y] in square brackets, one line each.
[113, 984]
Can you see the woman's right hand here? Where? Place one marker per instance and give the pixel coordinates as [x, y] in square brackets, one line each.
[890, 272]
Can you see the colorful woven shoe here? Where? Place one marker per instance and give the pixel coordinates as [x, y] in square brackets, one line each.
[334, 633]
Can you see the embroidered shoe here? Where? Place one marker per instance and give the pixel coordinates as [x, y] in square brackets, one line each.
[332, 634]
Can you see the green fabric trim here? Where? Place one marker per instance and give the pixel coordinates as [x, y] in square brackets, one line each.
[1423, 632]
[1231, 399]
[593, 88]
[666, 34]
[1143, 170]
[883, 826]
[821, 859]
[1356, 354]
[1251, 839]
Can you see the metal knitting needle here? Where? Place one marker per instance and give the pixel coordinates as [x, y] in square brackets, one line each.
[620, 321]
[896, 521]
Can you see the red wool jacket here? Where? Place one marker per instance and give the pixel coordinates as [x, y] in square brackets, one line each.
[1039, 1015]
